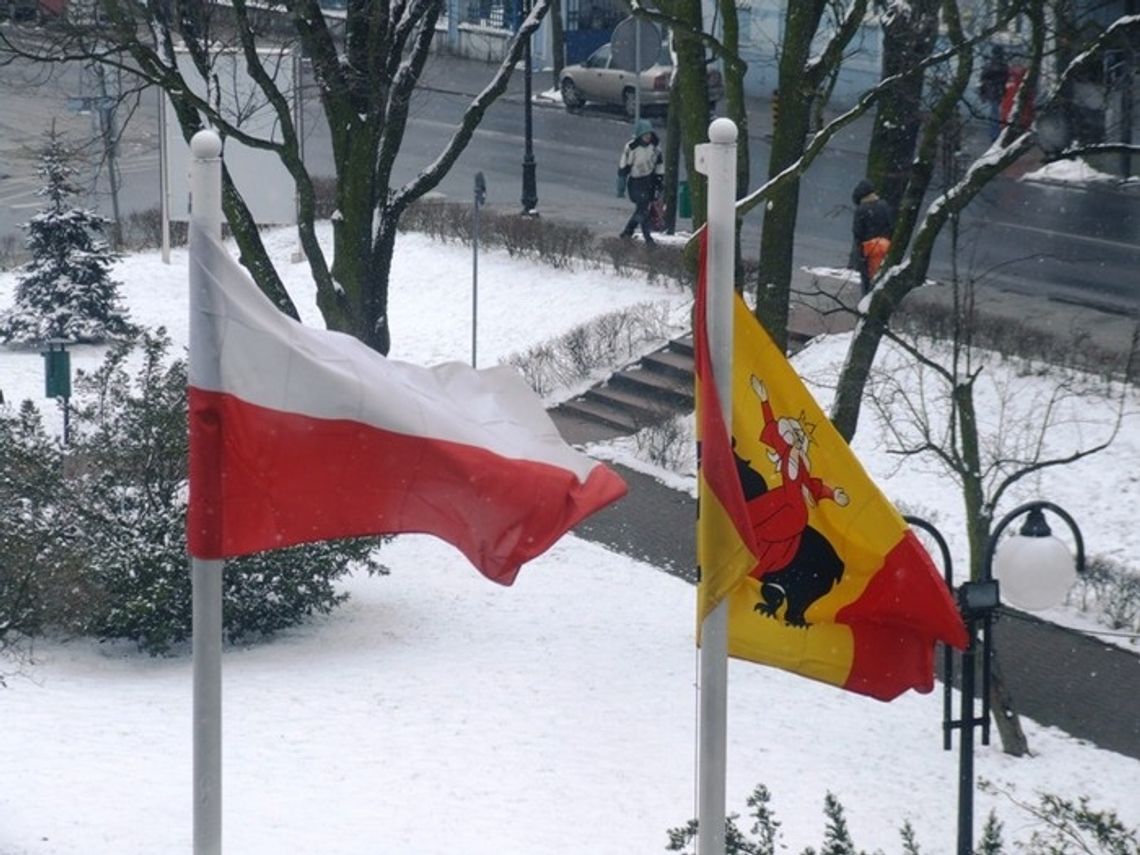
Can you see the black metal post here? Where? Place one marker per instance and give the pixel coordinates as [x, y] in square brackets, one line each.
[977, 601]
[529, 185]
[966, 722]
[480, 199]
[947, 652]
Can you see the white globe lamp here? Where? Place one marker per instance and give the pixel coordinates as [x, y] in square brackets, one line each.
[1034, 568]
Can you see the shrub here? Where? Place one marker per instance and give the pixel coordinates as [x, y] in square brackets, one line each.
[612, 339]
[29, 484]
[114, 505]
[1110, 591]
[1063, 827]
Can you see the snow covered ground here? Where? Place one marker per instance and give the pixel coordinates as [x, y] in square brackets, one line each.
[438, 713]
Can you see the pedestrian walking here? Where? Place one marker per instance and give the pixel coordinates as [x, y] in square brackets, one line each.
[992, 88]
[1013, 82]
[641, 169]
[872, 228]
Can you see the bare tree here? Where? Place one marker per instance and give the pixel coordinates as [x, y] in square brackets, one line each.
[366, 68]
[908, 261]
[945, 403]
[918, 228]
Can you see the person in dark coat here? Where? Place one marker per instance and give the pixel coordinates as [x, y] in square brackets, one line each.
[872, 228]
[642, 166]
[992, 87]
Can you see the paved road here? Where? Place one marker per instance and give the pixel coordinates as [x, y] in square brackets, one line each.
[1075, 244]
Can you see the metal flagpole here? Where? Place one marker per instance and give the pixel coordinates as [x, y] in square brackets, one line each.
[717, 160]
[206, 576]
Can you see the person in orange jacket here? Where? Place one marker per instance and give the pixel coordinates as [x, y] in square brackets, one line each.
[872, 228]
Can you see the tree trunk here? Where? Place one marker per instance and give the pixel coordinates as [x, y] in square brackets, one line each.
[777, 240]
[693, 95]
[735, 107]
[908, 39]
[557, 40]
[672, 159]
[251, 250]
[1006, 719]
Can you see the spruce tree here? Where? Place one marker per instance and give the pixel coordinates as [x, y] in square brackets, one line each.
[66, 291]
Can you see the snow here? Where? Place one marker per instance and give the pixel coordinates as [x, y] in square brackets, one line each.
[1073, 171]
[437, 713]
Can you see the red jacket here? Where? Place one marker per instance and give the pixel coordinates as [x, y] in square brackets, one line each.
[1012, 84]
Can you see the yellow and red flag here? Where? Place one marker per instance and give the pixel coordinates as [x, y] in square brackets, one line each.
[823, 576]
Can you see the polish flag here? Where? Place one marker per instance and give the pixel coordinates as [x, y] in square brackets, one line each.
[299, 435]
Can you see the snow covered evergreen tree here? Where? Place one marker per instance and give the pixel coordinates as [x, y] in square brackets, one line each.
[66, 290]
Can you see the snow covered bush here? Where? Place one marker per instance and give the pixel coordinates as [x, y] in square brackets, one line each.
[116, 519]
[66, 290]
[594, 348]
[1058, 827]
[34, 539]
[1109, 591]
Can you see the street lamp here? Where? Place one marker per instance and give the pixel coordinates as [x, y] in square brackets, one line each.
[529, 186]
[1051, 570]
[1033, 570]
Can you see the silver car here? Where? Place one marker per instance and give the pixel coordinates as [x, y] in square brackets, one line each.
[601, 81]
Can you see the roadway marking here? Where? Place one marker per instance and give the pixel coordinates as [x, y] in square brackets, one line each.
[1053, 233]
[502, 135]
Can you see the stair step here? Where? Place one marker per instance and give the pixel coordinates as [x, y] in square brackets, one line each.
[682, 345]
[642, 409]
[669, 362]
[674, 389]
[599, 411]
[659, 385]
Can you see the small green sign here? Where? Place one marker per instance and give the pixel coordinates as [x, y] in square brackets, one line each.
[57, 374]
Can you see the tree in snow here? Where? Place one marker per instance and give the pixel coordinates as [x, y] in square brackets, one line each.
[66, 290]
[367, 62]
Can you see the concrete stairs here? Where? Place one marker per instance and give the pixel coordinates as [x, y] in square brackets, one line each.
[660, 384]
[657, 386]
[654, 388]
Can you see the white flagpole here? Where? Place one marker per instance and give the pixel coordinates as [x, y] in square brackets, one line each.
[717, 160]
[206, 576]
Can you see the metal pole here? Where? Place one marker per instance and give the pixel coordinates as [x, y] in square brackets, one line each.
[480, 198]
[163, 177]
[206, 576]
[529, 184]
[966, 747]
[637, 72]
[299, 122]
[106, 114]
[717, 160]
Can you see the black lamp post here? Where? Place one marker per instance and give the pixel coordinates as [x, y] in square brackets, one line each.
[1034, 571]
[529, 187]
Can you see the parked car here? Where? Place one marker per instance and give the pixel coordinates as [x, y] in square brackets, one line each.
[599, 80]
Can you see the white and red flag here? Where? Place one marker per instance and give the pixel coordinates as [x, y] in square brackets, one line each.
[299, 435]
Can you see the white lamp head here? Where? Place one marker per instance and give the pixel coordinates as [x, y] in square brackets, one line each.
[1035, 569]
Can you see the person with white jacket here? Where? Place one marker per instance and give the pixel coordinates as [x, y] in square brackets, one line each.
[642, 169]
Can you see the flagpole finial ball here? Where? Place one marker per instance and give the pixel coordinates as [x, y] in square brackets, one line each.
[206, 145]
[722, 131]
